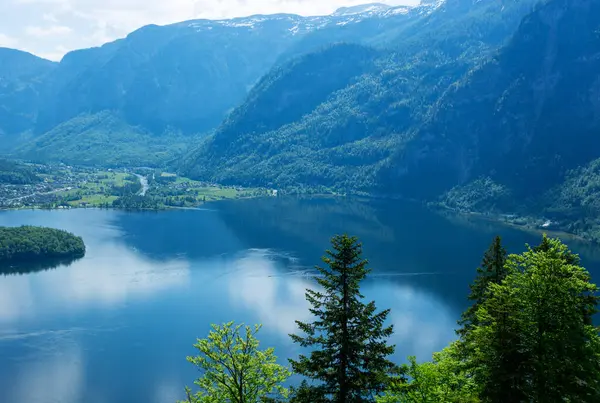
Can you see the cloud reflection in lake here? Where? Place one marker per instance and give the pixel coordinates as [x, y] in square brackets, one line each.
[125, 316]
[265, 284]
[57, 374]
[113, 274]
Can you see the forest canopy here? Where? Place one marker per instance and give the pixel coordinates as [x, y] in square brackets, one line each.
[28, 243]
[16, 174]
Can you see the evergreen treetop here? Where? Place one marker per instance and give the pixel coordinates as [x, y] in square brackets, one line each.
[492, 270]
[348, 337]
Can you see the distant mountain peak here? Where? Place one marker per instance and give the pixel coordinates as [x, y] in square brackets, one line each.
[372, 8]
[304, 24]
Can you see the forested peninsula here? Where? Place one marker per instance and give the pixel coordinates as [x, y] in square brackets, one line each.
[29, 243]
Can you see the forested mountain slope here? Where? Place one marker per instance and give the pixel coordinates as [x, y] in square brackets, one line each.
[175, 80]
[520, 134]
[104, 139]
[356, 127]
[524, 119]
[463, 111]
[539, 147]
[13, 173]
[486, 106]
[21, 77]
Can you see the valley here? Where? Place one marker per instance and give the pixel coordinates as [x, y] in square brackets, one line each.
[476, 107]
[65, 187]
[182, 179]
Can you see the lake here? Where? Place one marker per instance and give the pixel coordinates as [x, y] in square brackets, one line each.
[117, 325]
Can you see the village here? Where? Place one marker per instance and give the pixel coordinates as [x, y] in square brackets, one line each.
[62, 186]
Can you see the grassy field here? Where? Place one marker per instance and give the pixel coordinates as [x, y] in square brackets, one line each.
[95, 189]
[203, 192]
[102, 188]
[220, 193]
[93, 200]
[71, 186]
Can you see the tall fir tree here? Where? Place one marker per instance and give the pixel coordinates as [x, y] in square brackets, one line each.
[589, 301]
[497, 322]
[492, 271]
[495, 356]
[533, 343]
[348, 338]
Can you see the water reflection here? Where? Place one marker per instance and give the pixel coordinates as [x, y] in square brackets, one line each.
[15, 298]
[398, 238]
[277, 301]
[111, 275]
[21, 268]
[125, 316]
[422, 322]
[54, 371]
[267, 283]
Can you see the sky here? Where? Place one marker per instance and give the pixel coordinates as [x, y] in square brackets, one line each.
[51, 28]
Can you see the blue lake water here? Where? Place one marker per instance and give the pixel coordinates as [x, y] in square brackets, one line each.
[117, 325]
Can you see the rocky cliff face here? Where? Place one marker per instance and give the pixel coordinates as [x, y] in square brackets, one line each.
[161, 83]
[185, 76]
[351, 118]
[21, 78]
[524, 118]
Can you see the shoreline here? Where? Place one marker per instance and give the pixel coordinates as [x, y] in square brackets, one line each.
[163, 208]
[528, 225]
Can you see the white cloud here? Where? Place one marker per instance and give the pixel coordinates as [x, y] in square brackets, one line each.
[56, 54]
[7, 41]
[49, 18]
[94, 22]
[48, 31]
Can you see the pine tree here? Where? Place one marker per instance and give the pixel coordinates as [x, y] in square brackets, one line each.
[495, 320]
[533, 343]
[495, 355]
[555, 248]
[492, 270]
[348, 338]
[306, 394]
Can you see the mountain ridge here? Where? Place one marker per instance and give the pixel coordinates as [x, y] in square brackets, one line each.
[180, 78]
[344, 142]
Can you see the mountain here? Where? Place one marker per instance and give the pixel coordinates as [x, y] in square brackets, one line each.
[184, 76]
[159, 81]
[21, 77]
[483, 106]
[344, 135]
[525, 127]
[15, 64]
[104, 139]
[363, 9]
[14, 173]
[524, 118]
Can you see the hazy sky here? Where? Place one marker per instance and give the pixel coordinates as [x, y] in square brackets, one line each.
[50, 28]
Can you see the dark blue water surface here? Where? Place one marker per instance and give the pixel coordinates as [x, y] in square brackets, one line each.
[117, 325]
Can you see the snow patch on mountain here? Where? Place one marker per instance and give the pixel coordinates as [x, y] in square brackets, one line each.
[369, 9]
[299, 25]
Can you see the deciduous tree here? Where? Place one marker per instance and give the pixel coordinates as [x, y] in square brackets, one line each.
[234, 369]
